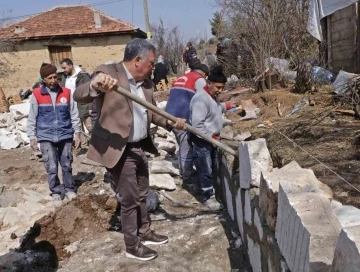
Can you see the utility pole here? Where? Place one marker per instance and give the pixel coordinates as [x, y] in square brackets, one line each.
[147, 22]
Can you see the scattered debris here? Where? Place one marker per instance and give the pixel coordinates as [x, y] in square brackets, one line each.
[345, 112]
[243, 136]
[209, 231]
[162, 181]
[164, 167]
[250, 110]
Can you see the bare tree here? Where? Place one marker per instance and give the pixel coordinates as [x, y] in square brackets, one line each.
[268, 28]
[169, 43]
[6, 46]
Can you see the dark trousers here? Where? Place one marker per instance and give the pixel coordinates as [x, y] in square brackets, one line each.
[131, 176]
[205, 155]
[53, 153]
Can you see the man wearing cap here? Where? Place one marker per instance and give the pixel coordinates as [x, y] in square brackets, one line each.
[53, 120]
[206, 115]
[178, 105]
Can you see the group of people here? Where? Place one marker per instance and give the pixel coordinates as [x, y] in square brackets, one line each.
[120, 132]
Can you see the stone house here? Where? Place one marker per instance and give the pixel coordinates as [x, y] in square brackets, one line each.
[81, 33]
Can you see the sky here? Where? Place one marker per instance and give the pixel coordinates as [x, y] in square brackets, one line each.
[192, 16]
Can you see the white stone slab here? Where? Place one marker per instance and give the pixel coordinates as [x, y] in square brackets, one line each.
[164, 167]
[254, 253]
[298, 179]
[254, 158]
[162, 181]
[307, 229]
[347, 253]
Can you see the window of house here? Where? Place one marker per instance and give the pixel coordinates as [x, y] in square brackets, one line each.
[58, 53]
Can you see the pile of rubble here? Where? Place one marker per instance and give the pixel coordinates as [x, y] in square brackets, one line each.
[13, 126]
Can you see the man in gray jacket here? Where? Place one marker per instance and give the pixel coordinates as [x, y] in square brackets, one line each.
[206, 115]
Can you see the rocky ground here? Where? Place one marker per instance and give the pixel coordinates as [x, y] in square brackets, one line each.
[85, 232]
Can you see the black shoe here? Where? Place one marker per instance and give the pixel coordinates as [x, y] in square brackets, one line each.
[154, 239]
[141, 252]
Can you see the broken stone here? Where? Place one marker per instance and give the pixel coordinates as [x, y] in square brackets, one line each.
[7, 120]
[161, 132]
[310, 218]
[163, 153]
[301, 180]
[258, 224]
[227, 133]
[161, 105]
[153, 129]
[162, 181]
[208, 231]
[254, 158]
[250, 110]
[9, 142]
[162, 144]
[349, 216]
[164, 167]
[72, 247]
[226, 122]
[21, 125]
[19, 110]
[243, 136]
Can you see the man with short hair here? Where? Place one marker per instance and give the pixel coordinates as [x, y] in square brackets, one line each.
[71, 78]
[121, 136]
[178, 105]
[206, 115]
[53, 120]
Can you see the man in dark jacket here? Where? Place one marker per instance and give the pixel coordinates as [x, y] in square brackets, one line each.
[191, 52]
[71, 78]
[160, 72]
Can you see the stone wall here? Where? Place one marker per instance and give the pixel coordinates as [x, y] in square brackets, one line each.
[287, 218]
[23, 65]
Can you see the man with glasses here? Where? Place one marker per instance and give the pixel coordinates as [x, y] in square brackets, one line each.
[121, 136]
[53, 120]
[178, 105]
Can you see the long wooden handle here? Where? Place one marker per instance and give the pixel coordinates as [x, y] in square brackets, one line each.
[168, 116]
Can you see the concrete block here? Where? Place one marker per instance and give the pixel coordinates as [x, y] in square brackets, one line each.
[254, 253]
[254, 158]
[229, 198]
[347, 253]
[298, 180]
[349, 216]
[258, 224]
[307, 229]
[240, 213]
[247, 208]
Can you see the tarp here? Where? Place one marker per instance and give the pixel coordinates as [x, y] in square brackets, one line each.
[319, 9]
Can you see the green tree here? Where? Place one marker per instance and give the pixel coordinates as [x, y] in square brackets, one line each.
[217, 24]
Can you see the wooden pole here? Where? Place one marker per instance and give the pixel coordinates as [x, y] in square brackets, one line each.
[168, 116]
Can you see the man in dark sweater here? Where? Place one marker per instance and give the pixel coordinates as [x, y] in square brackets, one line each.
[206, 115]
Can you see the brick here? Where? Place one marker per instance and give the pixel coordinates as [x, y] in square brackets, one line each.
[254, 158]
[307, 229]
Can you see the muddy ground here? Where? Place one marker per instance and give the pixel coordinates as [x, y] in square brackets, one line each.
[333, 139]
[85, 232]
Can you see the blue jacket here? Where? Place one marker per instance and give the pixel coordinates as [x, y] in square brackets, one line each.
[53, 123]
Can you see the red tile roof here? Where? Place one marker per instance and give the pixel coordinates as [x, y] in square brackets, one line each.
[66, 21]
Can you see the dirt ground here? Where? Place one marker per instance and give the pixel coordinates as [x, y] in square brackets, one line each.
[85, 232]
[332, 139]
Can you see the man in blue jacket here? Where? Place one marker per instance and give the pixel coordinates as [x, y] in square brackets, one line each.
[178, 105]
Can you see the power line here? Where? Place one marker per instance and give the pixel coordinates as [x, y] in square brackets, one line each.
[92, 5]
[316, 159]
